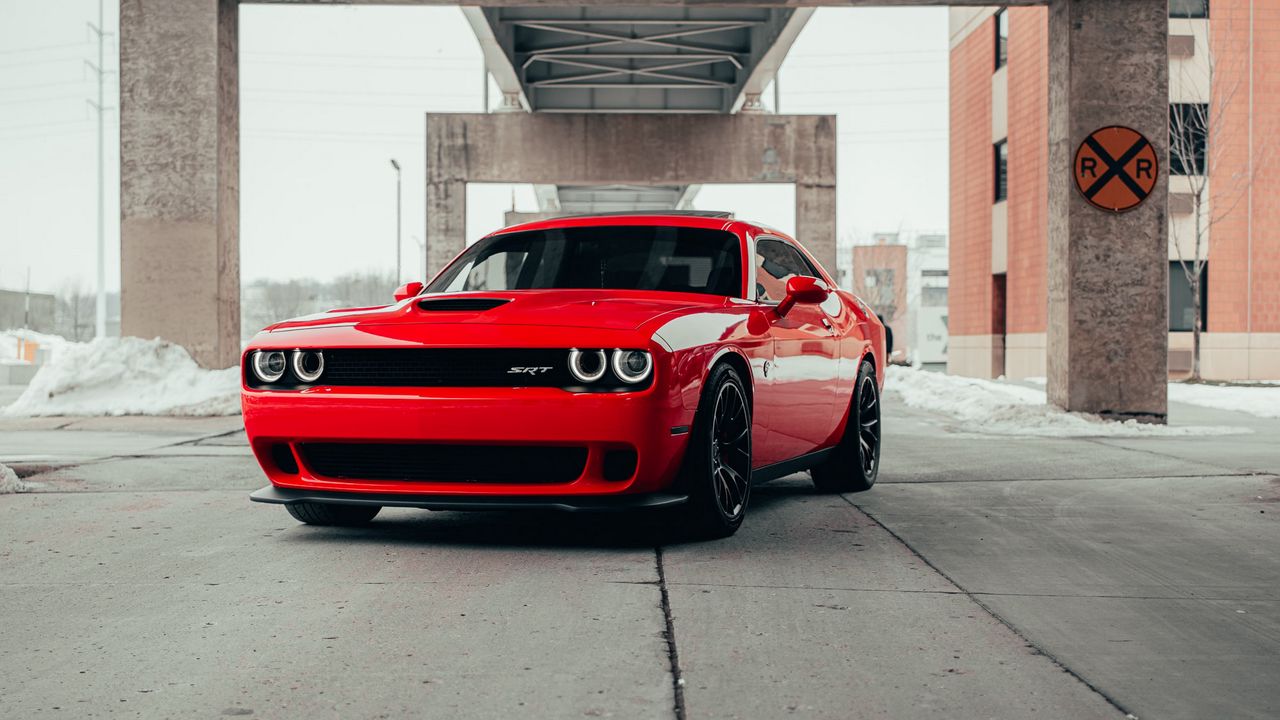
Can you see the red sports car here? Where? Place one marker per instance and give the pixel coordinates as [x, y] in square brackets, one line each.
[584, 363]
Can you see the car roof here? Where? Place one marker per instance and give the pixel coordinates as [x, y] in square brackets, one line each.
[710, 219]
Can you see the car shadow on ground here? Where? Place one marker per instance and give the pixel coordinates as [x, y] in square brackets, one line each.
[544, 528]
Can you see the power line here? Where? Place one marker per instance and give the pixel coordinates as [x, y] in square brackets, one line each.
[337, 56]
[41, 48]
[37, 86]
[372, 93]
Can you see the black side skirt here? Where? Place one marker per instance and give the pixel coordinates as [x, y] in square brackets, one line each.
[285, 496]
[787, 467]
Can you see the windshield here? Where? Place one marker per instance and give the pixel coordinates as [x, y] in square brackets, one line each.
[674, 259]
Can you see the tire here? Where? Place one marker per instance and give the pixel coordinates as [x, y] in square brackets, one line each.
[717, 465]
[855, 464]
[328, 514]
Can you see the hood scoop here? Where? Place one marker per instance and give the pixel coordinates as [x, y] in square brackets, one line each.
[463, 304]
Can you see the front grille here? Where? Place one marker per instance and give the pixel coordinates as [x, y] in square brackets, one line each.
[446, 367]
[446, 463]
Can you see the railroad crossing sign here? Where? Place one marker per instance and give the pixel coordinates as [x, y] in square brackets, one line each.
[1116, 168]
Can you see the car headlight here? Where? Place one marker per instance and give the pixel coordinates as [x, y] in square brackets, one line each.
[632, 366]
[308, 365]
[587, 366]
[268, 365]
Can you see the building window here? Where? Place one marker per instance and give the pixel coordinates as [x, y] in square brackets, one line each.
[1002, 170]
[1188, 136]
[1182, 311]
[1188, 8]
[1002, 38]
[933, 297]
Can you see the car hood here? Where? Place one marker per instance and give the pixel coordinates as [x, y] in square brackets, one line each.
[604, 309]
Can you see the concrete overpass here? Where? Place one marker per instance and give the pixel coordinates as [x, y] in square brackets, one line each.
[633, 93]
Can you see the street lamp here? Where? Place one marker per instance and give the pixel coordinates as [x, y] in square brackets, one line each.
[396, 165]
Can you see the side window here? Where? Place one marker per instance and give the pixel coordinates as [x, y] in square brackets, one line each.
[777, 262]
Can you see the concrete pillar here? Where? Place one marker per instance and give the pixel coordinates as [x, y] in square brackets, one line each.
[622, 149]
[1108, 273]
[179, 175]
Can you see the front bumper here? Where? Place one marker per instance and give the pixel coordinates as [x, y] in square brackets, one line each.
[652, 422]
[581, 503]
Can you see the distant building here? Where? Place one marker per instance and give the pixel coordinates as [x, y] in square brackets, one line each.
[880, 279]
[13, 311]
[927, 312]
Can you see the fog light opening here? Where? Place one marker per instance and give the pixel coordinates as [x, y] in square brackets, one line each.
[283, 458]
[619, 465]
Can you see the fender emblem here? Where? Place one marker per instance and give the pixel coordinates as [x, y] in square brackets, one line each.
[528, 370]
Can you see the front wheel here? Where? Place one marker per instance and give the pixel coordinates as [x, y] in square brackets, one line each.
[329, 514]
[855, 464]
[717, 472]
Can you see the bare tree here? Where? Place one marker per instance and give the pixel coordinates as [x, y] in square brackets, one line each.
[75, 310]
[363, 289]
[1199, 140]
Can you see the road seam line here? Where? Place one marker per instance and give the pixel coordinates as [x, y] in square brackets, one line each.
[996, 616]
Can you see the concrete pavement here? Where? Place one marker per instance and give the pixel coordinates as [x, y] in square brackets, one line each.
[984, 577]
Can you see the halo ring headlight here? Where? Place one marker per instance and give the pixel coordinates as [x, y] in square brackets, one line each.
[580, 372]
[269, 365]
[308, 365]
[632, 366]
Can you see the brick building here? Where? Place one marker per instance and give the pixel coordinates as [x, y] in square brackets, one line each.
[1221, 54]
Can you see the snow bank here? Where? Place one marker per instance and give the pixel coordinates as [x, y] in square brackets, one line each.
[127, 376]
[9, 482]
[1260, 400]
[998, 408]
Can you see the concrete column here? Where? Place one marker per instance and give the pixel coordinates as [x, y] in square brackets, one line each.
[179, 175]
[1108, 273]
[816, 221]
[446, 223]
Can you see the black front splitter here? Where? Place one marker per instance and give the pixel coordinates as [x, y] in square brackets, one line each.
[286, 496]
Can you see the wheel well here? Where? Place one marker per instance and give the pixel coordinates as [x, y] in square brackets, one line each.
[870, 358]
[737, 362]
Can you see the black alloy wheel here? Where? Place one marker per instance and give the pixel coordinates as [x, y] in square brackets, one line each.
[855, 463]
[717, 471]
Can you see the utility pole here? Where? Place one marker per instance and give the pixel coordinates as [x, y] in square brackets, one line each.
[422, 252]
[26, 320]
[396, 165]
[101, 319]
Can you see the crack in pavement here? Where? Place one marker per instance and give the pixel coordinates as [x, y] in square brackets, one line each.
[974, 593]
[673, 655]
[1241, 473]
[975, 598]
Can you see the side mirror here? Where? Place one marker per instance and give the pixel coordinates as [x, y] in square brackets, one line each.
[805, 290]
[408, 290]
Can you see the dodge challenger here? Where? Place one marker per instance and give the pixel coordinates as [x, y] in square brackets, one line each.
[585, 363]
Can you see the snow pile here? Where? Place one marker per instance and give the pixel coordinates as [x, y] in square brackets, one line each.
[1260, 400]
[997, 408]
[9, 482]
[127, 376]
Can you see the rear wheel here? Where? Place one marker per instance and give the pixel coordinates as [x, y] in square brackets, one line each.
[717, 471]
[855, 464]
[328, 514]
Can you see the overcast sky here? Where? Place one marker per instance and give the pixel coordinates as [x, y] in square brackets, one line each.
[331, 93]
